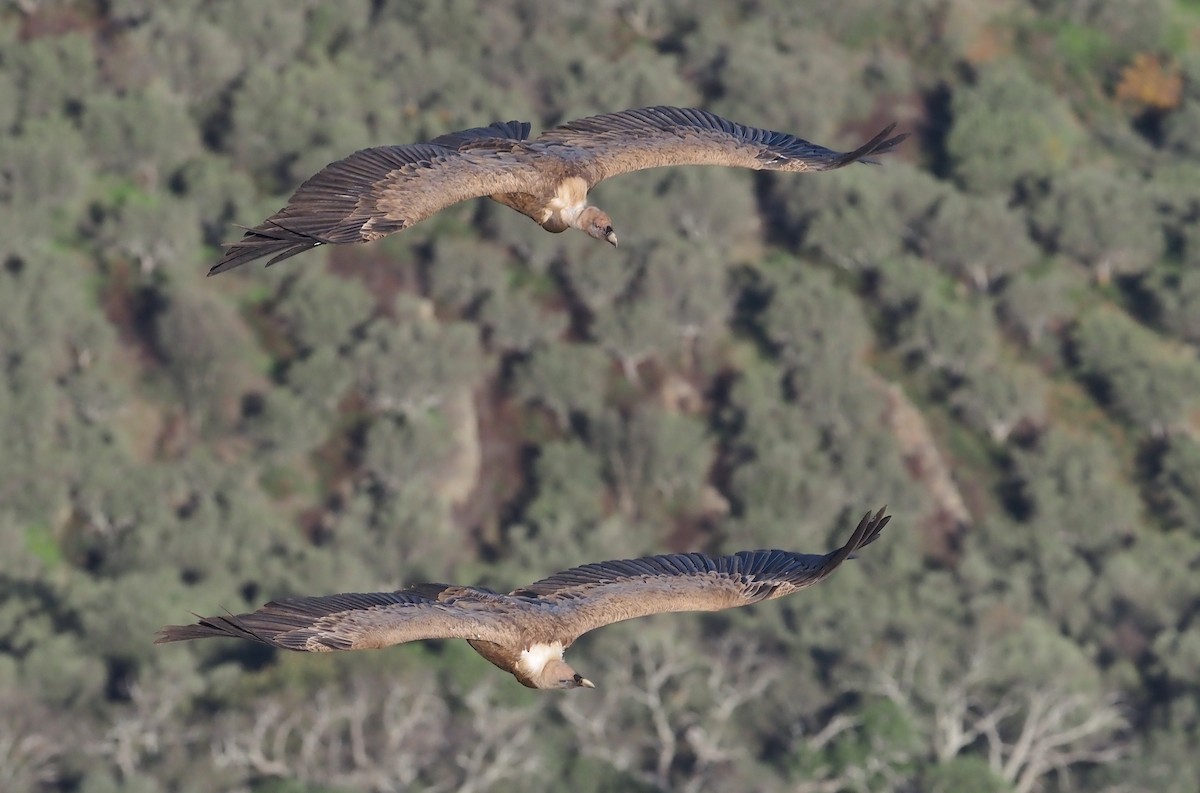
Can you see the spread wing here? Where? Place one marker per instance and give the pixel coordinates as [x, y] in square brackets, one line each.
[652, 137]
[361, 621]
[379, 191]
[594, 595]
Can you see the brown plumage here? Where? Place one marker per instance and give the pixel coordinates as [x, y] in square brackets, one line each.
[526, 631]
[379, 191]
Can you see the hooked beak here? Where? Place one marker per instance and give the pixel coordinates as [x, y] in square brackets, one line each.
[583, 681]
[612, 238]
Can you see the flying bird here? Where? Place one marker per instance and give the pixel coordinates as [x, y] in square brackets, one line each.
[380, 191]
[526, 631]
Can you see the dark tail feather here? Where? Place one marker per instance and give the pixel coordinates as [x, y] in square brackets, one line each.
[267, 240]
[880, 144]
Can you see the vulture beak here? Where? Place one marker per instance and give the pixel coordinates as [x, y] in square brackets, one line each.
[583, 681]
[611, 236]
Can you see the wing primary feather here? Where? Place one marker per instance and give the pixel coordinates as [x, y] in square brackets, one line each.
[865, 533]
[278, 242]
[497, 131]
[876, 145]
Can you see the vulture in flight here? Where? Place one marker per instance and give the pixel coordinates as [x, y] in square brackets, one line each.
[379, 191]
[526, 631]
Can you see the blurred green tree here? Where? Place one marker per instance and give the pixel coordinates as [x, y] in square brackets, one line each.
[1101, 219]
[1008, 126]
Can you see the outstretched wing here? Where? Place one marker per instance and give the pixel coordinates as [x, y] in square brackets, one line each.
[652, 137]
[379, 191]
[360, 621]
[594, 595]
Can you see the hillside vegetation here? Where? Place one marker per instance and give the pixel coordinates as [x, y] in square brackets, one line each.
[994, 333]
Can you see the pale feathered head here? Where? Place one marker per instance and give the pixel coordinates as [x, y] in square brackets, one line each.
[559, 674]
[596, 223]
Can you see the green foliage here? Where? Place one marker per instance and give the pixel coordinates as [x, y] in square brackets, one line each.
[54, 75]
[416, 363]
[977, 240]
[322, 312]
[463, 272]
[656, 461]
[199, 339]
[998, 398]
[570, 487]
[1102, 219]
[809, 317]
[566, 379]
[1008, 126]
[218, 194]
[41, 545]
[44, 181]
[63, 672]
[1076, 491]
[1106, 25]
[1178, 298]
[992, 332]
[287, 124]
[964, 773]
[863, 218]
[1181, 128]
[407, 455]
[760, 65]
[147, 134]
[1042, 301]
[952, 335]
[1146, 381]
[1176, 483]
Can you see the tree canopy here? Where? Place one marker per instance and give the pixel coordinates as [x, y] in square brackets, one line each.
[994, 332]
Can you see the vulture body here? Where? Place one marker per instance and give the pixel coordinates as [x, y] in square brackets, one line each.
[526, 631]
[380, 191]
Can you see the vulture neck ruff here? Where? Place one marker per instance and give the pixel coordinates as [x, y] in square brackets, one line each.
[563, 210]
[533, 660]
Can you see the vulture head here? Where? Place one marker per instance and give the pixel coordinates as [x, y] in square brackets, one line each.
[542, 666]
[559, 674]
[598, 224]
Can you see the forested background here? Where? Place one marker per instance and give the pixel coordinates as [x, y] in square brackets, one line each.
[995, 333]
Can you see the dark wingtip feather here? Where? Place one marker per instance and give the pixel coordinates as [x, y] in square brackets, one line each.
[180, 633]
[880, 144]
[275, 241]
[496, 131]
[871, 526]
[867, 531]
[205, 628]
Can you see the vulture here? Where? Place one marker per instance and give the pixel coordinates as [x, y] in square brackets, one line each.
[526, 631]
[380, 191]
